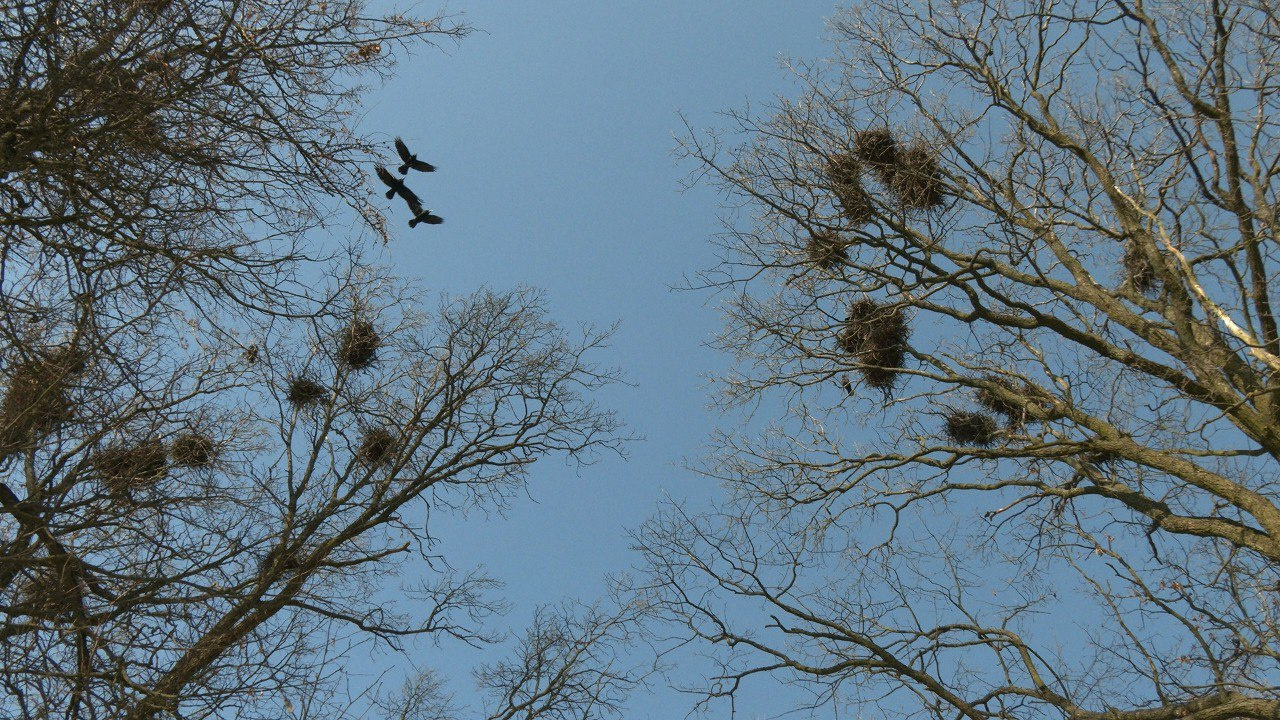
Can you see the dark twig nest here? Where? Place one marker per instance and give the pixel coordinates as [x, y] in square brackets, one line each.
[827, 249]
[359, 346]
[846, 182]
[1139, 272]
[303, 392]
[917, 179]
[125, 468]
[1014, 411]
[53, 593]
[38, 398]
[876, 335]
[378, 447]
[1101, 458]
[878, 149]
[965, 427]
[193, 450]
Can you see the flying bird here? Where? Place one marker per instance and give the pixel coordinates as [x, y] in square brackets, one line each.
[411, 160]
[391, 181]
[419, 215]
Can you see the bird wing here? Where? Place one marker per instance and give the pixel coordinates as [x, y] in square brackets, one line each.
[415, 204]
[403, 150]
[385, 176]
[421, 166]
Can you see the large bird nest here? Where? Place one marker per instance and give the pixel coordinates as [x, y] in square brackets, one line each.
[126, 468]
[965, 427]
[38, 398]
[827, 249]
[878, 149]
[876, 335]
[378, 447]
[193, 450]
[304, 392]
[359, 346]
[846, 182]
[917, 179]
[1139, 272]
[54, 592]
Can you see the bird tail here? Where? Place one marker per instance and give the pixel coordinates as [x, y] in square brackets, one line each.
[391, 193]
[404, 169]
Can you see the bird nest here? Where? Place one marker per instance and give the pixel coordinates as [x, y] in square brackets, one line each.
[878, 149]
[994, 400]
[53, 593]
[378, 447]
[303, 392]
[1139, 272]
[38, 398]
[193, 450]
[126, 468]
[964, 427]
[846, 182]
[917, 179]
[827, 249]
[359, 346]
[876, 335]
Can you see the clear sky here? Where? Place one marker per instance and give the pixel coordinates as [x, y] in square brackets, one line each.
[553, 128]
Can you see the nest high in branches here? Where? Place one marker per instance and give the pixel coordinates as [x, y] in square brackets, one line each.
[826, 249]
[965, 427]
[127, 468]
[878, 150]
[38, 398]
[359, 346]
[917, 179]
[193, 450]
[845, 176]
[304, 392]
[876, 335]
[1140, 274]
[378, 447]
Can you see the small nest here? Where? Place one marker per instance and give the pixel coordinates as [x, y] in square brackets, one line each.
[1101, 458]
[303, 392]
[359, 346]
[846, 183]
[826, 249]
[193, 450]
[38, 398]
[917, 179]
[876, 336]
[971, 428]
[1139, 272]
[125, 468]
[878, 149]
[1013, 411]
[54, 593]
[378, 447]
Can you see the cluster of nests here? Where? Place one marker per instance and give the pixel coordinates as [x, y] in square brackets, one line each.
[128, 467]
[999, 397]
[357, 349]
[910, 174]
[876, 336]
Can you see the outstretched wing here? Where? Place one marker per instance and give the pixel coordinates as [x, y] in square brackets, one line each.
[403, 150]
[385, 176]
[415, 205]
[421, 166]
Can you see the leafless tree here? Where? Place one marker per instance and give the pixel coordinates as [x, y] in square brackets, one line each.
[222, 433]
[999, 279]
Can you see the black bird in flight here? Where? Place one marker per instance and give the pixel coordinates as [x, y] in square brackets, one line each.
[411, 160]
[391, 181]
[419, 215]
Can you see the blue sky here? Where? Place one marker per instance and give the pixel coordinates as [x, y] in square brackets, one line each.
[553, 128]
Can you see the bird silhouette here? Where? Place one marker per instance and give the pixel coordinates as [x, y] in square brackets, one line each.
[420, 215]
[391, 181]
[411, 160]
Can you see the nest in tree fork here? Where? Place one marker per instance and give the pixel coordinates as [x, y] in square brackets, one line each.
[303, 391]
[878, 149]
[876, 335]
[125, 468]
[964, 427]
[1014, 411]
[38, 399]
[826, 249]
[54, 592]
[359, 346]
[917, 179]
[1139, 272]
[378, 447]
[846, 182]
[194, 450]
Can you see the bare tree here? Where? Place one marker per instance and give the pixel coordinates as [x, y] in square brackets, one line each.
[1003, 270]
[223, 434]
